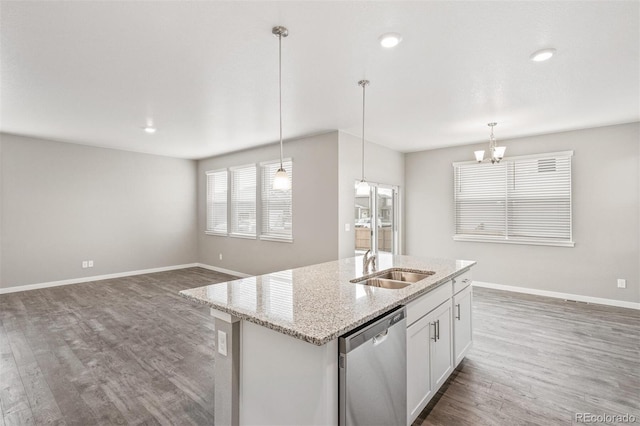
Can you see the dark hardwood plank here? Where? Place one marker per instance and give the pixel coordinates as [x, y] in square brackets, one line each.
[74, 410]
[19, 418]
[13, 398]
[41, 400]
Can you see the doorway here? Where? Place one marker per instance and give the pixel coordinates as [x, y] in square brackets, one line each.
[376, 224]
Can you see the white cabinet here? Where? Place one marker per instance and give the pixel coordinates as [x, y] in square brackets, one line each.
[429, 360]
[439, 336]
[461, 282]
[419, 388]
[441, 354]
[462, 329]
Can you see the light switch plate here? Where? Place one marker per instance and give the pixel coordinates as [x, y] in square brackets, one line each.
[222, 343]
[622, 283]
[347, 227]
[90, 263]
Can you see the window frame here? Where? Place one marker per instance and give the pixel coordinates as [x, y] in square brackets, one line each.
[508, 215]
[231, 219]
[207, 212]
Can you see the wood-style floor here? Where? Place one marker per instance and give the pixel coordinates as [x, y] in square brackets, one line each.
[539, 361]
[123, 351]
[132, 351]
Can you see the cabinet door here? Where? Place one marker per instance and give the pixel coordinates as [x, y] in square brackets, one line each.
[441, 347]
[418, 378]
[462, 331]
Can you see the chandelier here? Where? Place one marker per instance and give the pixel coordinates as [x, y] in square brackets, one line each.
[496, 152]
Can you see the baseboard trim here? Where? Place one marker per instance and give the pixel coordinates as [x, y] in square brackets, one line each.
[223, 270]
[557, 295]
[94, 278]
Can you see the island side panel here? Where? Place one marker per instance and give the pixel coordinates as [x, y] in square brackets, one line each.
[227, 371]
[286, 381]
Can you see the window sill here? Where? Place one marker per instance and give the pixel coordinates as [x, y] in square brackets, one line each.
[245, 236]
[217, 234]
[501, 240]
[276, 239]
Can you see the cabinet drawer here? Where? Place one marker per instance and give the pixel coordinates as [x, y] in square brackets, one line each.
[462, 281]
[428, 302]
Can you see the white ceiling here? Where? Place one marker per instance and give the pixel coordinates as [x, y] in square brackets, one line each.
[205, 73]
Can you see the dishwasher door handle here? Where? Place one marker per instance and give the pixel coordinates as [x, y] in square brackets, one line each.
[381, 337]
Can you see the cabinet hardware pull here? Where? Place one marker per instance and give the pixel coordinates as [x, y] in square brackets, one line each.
[435, 335]
[458, 315]
[437, 330]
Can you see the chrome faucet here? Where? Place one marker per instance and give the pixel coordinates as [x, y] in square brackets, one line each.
[368, 260]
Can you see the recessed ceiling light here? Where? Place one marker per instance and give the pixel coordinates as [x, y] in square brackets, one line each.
[542, 55]
[149, 129]
[390, 39]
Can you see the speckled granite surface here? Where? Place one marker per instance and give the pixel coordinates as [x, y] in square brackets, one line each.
[318, 303]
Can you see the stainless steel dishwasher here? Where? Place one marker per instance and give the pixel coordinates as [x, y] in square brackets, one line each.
[373, 372]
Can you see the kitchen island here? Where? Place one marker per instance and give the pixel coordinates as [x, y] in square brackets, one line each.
[277, 334]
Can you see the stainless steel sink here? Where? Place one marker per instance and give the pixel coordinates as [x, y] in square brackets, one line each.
[393, 278]
[385, 283]
[407, 276]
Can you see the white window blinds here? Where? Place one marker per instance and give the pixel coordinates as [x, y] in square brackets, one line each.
[243, 201]
[276, 211]
[217, 202]
[521, 200]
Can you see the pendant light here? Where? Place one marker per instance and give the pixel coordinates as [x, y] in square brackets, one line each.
[496, 152]
[281, 179]
[362, 188]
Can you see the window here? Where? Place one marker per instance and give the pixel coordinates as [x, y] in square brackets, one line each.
[276, 204]
[243, 201]
[217, 202]
[233, 202]
[524, 200]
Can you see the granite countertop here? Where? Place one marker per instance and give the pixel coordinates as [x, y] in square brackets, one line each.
[318, 303]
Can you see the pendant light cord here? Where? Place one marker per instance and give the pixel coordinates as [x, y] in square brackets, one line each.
[280, 90]
[364, 85]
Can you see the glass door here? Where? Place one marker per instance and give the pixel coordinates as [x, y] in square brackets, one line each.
[363, 221]
[385, 218]
[376, 227]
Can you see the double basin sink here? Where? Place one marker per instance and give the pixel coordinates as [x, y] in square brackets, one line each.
[395, 278]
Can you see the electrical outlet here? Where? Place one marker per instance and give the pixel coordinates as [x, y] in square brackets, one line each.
[222, 343]
[622, 283]
[90, 263]
[85, 264]
[220, 256]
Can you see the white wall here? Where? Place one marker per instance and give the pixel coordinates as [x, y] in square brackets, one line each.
[63, 203]
[382, 165]
[606, 229]
[315, 207]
